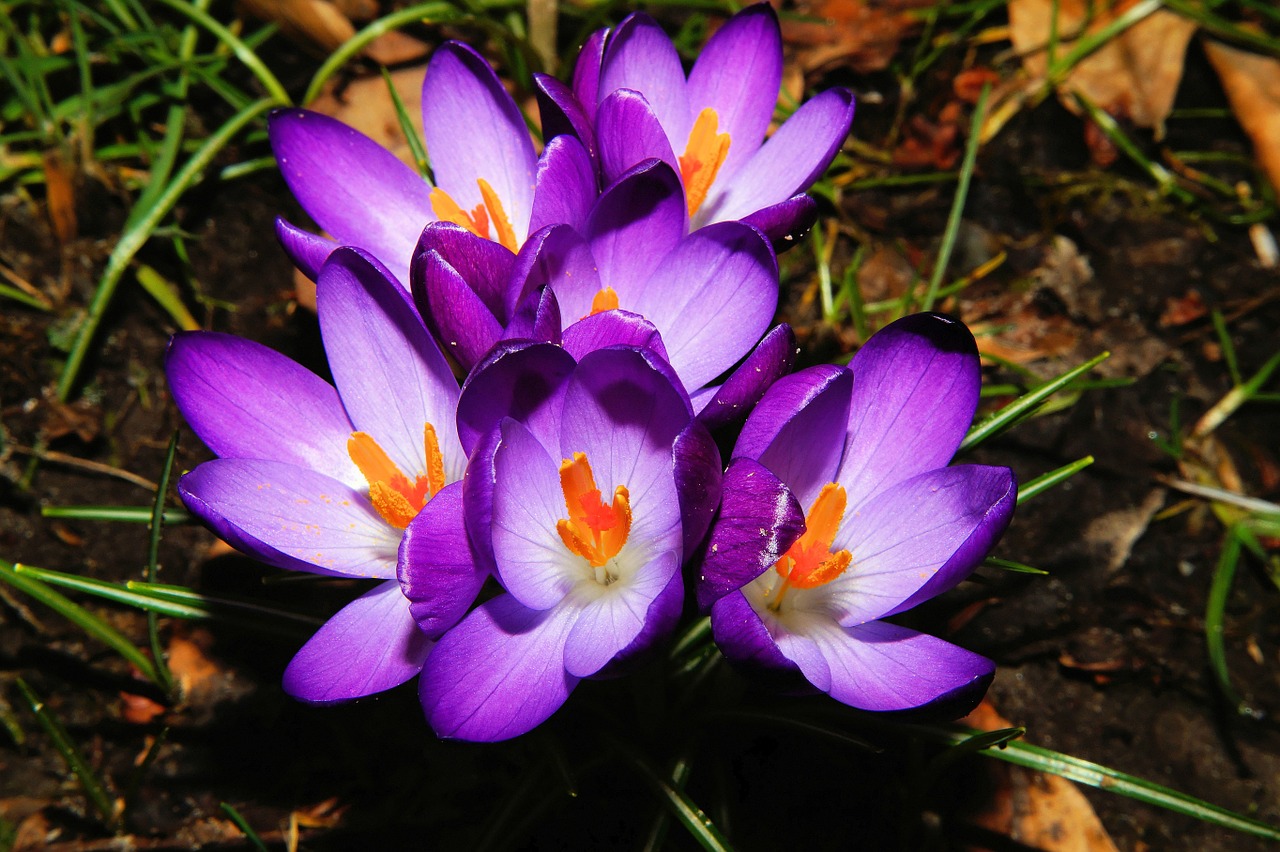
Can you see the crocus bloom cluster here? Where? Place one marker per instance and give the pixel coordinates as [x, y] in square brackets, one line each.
[608, 302]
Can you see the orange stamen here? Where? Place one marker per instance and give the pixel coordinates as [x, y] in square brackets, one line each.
[505, 234]
[478, 220]
[594, 530]
[604, 300]
[702, 158]
[809, 562]
[394, 497]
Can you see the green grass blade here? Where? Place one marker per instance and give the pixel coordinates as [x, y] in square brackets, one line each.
[1215, 610]
[1045, 481]
[952, 229]
[411, 135]
[242, 51]
[1104, 778]
[1010, 565]
[153, 561]
[688, 814]
[244, 827]
[126, 514]
[25, 298]
[94, 790]
[165, 292]
[1026, 405]
[135, 237]
[79, 616]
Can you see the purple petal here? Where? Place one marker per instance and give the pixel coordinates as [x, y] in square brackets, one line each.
[738, 74]
[533, 563]
[612, 328]
[639, 219]
[769, 361]
[536, 318]
[307, 251]
[369, 646]
[789, 162]
[786, 222]
[624, 413]
[353, 188]
[437, 572]
[563, 115]
[474, 130]
[797, 431]
[742, 636]
[699, 481]
[999, 484]
[759, 520]
[477, 499]
[519, 380]
[628, 133]
[566, 185]
[610, 621]
[638, 55]
[586, 73]
[391, 375]
[292, 517]
[485, 265]
[915, 390]
[903, 539]
[661, 619]
[557, 257]
[712, 298]
[246, 401]
[883, 667]
[499, 673]
[457, 315]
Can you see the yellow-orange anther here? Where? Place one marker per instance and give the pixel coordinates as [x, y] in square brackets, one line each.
[595, 531]
[809, 562]
[604, 300]
[394, 497]
[702, 158]
[478, 220]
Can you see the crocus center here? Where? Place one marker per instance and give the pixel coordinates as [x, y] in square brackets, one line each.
[702, 158]
[604, 300]
[397, 498]
[594, 530]
[809, 562]
[477, 221]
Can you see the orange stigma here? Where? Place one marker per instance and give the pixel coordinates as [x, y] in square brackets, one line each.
[477, 221]
[397, 499]
[702, 158]
[604, 300]
[809, 562]
[595, 531]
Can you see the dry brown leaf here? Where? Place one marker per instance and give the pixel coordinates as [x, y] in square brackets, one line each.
[863, 34]
[1036, 810]
[1134, 76]
[1252, 84]
[60, 191]
[315, 22]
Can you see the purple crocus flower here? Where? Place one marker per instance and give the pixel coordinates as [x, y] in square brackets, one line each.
[488, 178]
[631, 100]
[581, 507]
[839, 511]
[705, 298]
[323, 479]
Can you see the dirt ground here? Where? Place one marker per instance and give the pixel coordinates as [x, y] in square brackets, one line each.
[1103, 659]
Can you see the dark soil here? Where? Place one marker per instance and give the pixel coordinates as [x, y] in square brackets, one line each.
[1103, 659]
